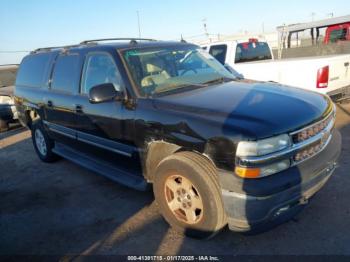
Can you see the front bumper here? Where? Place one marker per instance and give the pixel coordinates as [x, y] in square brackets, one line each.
[254, 205]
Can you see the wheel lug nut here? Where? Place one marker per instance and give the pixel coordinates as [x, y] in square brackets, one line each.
[188, 197]
[178, 199]
[184, 205]
[183, 191]
[178, 192]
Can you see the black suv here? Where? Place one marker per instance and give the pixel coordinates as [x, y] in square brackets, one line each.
[217, 149]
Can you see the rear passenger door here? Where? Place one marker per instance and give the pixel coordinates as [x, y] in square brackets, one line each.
[60, 101]
[102, 126]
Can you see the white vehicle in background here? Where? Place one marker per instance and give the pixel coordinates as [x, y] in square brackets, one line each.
[253, 59]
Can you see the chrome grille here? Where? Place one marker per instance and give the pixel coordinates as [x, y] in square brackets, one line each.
[315, 137]
[312, 130]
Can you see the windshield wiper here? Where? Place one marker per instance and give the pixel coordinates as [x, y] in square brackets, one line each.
[175, 87]
[219, 80]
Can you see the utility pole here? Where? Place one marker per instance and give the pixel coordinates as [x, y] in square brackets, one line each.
[330, 15]
[313, 16]
[205, 27]
[138, 23]
[263, 27]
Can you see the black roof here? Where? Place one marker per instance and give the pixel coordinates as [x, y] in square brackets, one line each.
[118, 43]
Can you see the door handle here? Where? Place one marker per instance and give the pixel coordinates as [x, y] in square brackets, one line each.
[49, 103]
[78, 108]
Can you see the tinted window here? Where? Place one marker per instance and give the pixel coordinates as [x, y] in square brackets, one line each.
[252, 51]
[65, 73]
[219, 52]
[336, 35]
[33, 69]
[100, 69]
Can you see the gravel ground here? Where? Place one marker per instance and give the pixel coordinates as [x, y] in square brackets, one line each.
[63, 209]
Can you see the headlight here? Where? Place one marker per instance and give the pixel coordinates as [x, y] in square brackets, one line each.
[260, 148]
[263, 147]
[6, 100]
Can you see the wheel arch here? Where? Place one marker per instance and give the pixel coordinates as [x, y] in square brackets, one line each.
[31, 115]
[159, 150]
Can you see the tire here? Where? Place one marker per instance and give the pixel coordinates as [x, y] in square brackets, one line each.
[199, 211]
[42, 143]
[4, 126]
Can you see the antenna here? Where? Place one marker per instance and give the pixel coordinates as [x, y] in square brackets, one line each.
[138, 23]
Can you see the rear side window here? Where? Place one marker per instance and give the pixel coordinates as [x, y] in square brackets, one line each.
[252, 51]
[33, 70]
[219, 52]
[65, 73]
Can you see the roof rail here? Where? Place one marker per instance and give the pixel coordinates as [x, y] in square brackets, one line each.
[132, 40]
[41, 49]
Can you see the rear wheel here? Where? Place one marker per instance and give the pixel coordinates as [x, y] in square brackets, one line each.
[189, 196]
[4, 126]
[42, 143]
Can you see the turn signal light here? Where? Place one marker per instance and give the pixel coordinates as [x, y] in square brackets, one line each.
[245, 172]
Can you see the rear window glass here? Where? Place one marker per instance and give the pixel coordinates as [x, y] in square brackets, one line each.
[336, 35]
[252, 51]
[219, 52]
[65, 73]
[33, 69]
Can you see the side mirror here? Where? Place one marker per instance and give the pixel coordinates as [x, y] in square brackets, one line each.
[104, 93]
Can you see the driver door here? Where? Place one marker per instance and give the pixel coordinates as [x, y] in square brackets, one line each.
[100, 127]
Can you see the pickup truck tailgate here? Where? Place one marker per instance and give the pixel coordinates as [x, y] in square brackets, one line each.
[339, 73]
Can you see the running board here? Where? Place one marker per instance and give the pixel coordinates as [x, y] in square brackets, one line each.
[101, 167]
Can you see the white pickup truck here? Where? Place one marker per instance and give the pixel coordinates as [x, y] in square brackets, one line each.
[253, 59]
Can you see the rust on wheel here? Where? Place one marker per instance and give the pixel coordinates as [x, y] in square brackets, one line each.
[183, 199]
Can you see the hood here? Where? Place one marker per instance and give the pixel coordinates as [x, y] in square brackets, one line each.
[257, 110]
[7, 90]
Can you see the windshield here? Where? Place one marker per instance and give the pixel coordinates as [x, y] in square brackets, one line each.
[252, 51]
[166, 69]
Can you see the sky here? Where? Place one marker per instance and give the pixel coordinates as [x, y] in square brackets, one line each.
[29, 24]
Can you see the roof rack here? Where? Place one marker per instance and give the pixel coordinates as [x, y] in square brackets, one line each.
[132, 40]
[41, 49]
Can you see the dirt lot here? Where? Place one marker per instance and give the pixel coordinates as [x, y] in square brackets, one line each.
[64, 209]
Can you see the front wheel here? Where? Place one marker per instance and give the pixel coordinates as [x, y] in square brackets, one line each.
[188, 195]
[42, 143]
